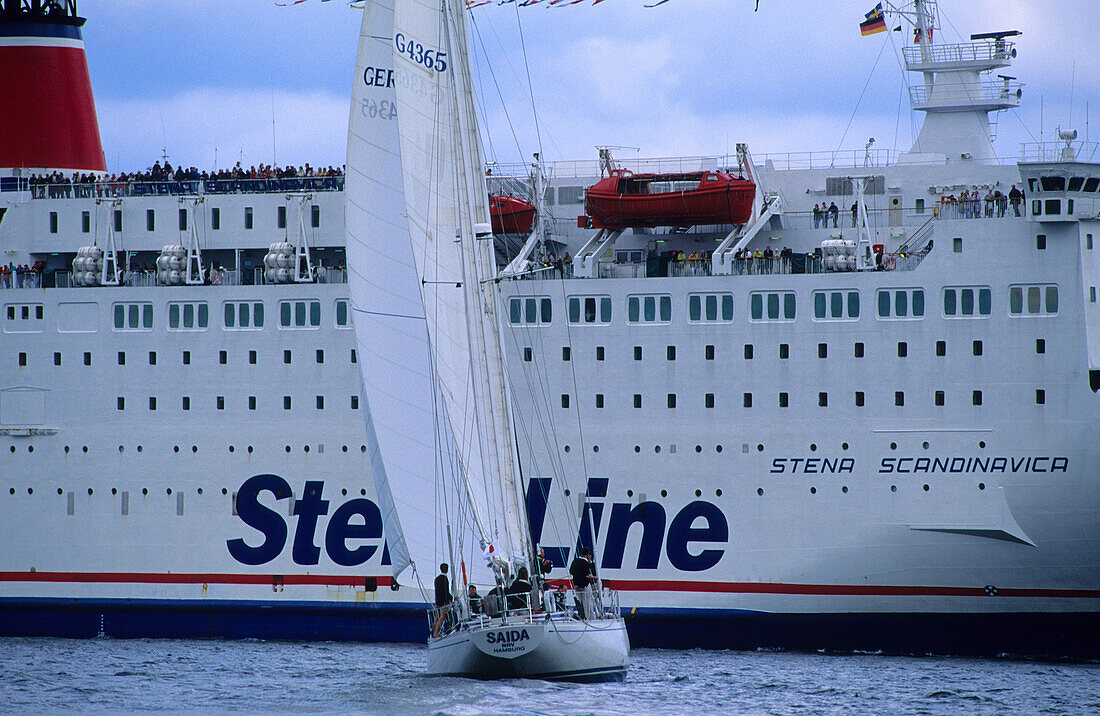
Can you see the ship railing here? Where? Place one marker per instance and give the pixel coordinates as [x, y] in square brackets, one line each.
[996, 91]
[1060, 151]
[21, 279]
[107, 189]
[592, 602]
[989, 51]
[846, 159]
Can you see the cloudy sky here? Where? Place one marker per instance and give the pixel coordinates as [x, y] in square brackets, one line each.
[215, 81]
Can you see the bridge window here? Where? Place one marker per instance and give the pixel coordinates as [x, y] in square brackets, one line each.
[531, 311]
[649, 309]
[1075, 183]
[1033, 300]
[589, 309]
[1091, 184]
[1053, 183]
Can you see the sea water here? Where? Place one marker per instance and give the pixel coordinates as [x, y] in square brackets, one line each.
[256, 676]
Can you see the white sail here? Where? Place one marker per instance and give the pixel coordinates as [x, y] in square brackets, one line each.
[388, 315]
[446, 197]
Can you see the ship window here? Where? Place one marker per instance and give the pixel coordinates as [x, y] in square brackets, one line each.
[150, 220]
[1040, 345]
[670, 352]
[860, 399]
[1040, 396]
[765, 306]
[57, 358]
[355, 402]
[286, 402]
[748, 351]
[320, 355]
[86, 222]
[671, 400]
[1091, 184]
[637, 352]
[223, 357]
[967, 302]
[287, 356]
[120, 403]
[822, 350]
[823, 400]
[899, 398]
[252, 402]
[342, 313]
[87, 358]
[976, 397]
[183, 219]
[186, 403]
[252, 355]
[1053, 183]
[784, 400]
[219, 403]
[230, 316]
[836, 305]
[121, 358]
[746, 400]
[152, 403]
[977, 348]
[1033, 300]
[599, 353]
[708, 352]
[118, 220]
[133, 316]
[315, 313]
[299, 311]
[1036, 207]
[919, 206]
[599, 400]
[901, 303]
[637, 400]
[216, 219]
[1075, 183]
[280, 219]
[320, 402]
[941, 348]
[187, 357]
[858, 349]
[1041, 241]
[784, 351]
[248, 217]
[939, 398]
[708, 400]
[53, 222]
[530, 311]
[711, 307]
[903, 349]
[315, 216]
[649, 309]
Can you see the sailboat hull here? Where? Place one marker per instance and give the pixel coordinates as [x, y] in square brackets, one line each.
[554, 648]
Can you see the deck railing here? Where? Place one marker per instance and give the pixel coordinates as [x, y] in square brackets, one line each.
[105, 189]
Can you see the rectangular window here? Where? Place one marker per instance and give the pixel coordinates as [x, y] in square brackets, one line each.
[216, 219]
[532, 311]
[748, 351]
[939, 398]
[941, 348]
[57, 358]
[836, 305]
[87, 358]
[183, 219]
[286, 402]
[320, 402]
[565, 353]
[637, 352]
[977, 348]
[248, 217]
[252, 402]
[133, 316]
[53, 222]
[1040, 396]
[1041, 239]
[967, 301]
[219, 402]
[822, 350]
[252, 355]
[342, 313]
[708, 400]
[784, 400]
[903, 303]
[857, 349]
[671, 400]
[527, 354]
[355, 402]
[859, 399]
[150, 220]
[823, 400]
[710, 307]
[637, 400]
[903, 349]
[23, 359]
[1033, 300]
[223, 357]
[565, 400]
[976, 397]
[315, 216]
[1040, 346]
[120, 403]
[746, 400]
[188, 316]
[708, 352]
[599, 353]
[187, 357]
[86, 222]
[280, 220]
[286, 356]
[899, 398]
[118, 220]
[670, 352]
[320, 355]
[186, 403]
[784, 351]
[649, 309]
[121, 357]
[152, 403]
[599, 400]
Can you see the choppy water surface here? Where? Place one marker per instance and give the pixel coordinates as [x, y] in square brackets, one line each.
[255, 676]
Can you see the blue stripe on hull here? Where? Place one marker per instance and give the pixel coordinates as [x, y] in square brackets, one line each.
[1032, 634]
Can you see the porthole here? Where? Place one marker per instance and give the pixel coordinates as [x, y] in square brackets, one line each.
[926, 487]
[344, 448]
[698, 448]
[813, 490]
[363, 491]
[844, 489]
[893, 446]
[925, 445]
[305, 448]
[844, 446]
[194, 448]
[30, 490]
[718, 493]
[199, 490]
[11, 490]
[140, 448]
[66, 449]
[566, 448]
[717, 448]
[225, 491]
[664, 493]
[13, 448]
[760, 491]
[595, 448]
[344, 492]
[637, 448]
[85, 449]
[168, 491]
[60, 491]
[567, 492]
[362, 448]
[981, 444]
[30, 448]
[698, 493]
[89, 492]
[981, 485]
[893, 488]
[121, 448]
[249, 449]
[813, 447]
[145, 490]
[630, 493]
[175, 448]
[656, 448]
[287, 448]
[231, 448]
[760, 447]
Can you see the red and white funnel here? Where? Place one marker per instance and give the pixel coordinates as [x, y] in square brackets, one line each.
[47, 113]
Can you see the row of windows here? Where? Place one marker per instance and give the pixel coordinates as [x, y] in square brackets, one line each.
[195, 315]
[223, 357]
[977, 347]
[194, 450]
[219, 402]
[215, 219]
[939, 398]
[828, 305]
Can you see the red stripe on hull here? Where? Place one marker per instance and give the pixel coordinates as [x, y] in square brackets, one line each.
[49, 117]
[331, 580]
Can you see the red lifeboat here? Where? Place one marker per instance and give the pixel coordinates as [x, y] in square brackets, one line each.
[510, 215]
[625, 199]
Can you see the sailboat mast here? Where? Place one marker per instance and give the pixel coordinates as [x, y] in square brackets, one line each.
[478, 264]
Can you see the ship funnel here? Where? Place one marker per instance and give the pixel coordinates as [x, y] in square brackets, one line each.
[48, 121]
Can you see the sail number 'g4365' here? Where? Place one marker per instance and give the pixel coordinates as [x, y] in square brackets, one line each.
[432, 59]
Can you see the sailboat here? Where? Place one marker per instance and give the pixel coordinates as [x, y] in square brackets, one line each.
[417, 209]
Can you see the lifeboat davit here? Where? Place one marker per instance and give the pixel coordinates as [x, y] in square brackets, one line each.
[510, 215]
[624, 199]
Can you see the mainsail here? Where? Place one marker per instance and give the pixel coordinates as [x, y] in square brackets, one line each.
[388, 314]
[446, 198]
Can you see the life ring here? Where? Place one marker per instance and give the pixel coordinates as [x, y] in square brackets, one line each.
[889, 263]
[216, 278]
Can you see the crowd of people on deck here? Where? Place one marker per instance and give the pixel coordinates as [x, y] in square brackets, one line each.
[61, 185]
[21, 276]
[973, 205]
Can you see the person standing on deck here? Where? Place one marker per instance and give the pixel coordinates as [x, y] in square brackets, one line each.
[443, 598]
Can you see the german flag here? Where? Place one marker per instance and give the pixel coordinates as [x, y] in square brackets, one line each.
[874, 22]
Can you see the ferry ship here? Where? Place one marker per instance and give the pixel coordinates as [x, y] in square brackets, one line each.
[872, 428]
